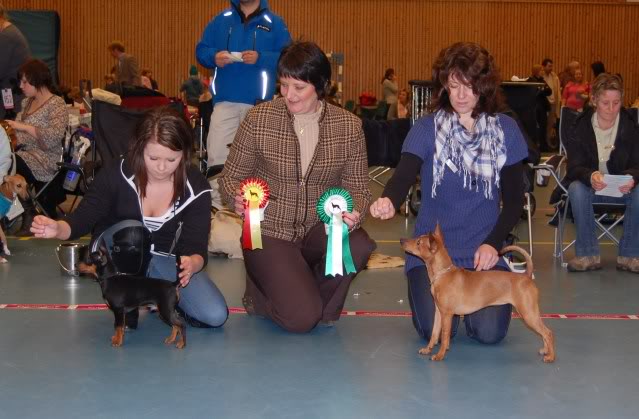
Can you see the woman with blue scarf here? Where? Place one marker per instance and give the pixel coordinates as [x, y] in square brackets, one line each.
[469, 158]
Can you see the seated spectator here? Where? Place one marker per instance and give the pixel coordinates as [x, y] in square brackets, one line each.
[576, 93]
[149, 75]
[192, 88]
[40, 128]
[603, 141]
[401, 108]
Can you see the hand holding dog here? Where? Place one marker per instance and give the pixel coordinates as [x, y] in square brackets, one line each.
[382, 208]
[486, 257]
[189, 266]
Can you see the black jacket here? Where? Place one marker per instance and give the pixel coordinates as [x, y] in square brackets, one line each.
[112, 197]
[581, 147]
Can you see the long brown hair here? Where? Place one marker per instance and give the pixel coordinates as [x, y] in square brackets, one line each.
[168, 128]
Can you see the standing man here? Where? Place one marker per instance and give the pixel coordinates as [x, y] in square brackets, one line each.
[127, 70]
[552, 80]
[242, 44]
[14, 51]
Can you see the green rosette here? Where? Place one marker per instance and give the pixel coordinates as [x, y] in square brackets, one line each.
[330, 207]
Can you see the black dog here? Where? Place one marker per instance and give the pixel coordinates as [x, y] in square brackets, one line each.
[125, 293]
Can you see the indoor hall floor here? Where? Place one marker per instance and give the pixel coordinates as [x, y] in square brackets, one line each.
[56, 360]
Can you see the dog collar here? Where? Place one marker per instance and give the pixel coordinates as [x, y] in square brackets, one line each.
[436, 275]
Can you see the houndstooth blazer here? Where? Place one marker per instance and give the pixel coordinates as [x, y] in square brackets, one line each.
[267, 147]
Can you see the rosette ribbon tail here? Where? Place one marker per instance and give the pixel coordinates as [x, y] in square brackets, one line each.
[338, 249]
[251, 231]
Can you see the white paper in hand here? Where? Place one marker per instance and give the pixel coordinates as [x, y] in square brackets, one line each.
[613, 182]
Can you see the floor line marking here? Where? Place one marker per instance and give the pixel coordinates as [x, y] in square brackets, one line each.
[519, 242]
[355, 313]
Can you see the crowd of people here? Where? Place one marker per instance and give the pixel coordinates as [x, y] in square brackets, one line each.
[468, 155]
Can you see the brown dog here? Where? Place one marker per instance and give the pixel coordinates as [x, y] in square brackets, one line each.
[458, 291]
[12, 186]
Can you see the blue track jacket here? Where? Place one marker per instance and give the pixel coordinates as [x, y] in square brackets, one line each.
[264, 32]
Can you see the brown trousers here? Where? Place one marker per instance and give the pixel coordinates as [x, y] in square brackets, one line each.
[287, 283]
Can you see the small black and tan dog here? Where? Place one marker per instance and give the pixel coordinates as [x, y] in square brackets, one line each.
[125, 293]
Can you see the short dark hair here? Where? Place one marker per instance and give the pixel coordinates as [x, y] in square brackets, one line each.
[116, 45]
[546, 61]
[169, 128]
[37, 73]
[388, 73]
[307, 62]
[473, 64]
[597, 68]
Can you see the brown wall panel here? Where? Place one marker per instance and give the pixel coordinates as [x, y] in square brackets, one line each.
[372, 34]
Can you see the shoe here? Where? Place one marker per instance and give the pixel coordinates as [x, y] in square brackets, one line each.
[584, 263]
[192, 321]
[625, 263]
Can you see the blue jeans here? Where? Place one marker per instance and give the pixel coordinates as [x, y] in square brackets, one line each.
[200, 299]
[581, 199]
[488, 325]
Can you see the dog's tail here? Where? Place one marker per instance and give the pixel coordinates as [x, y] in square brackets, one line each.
[529, 263]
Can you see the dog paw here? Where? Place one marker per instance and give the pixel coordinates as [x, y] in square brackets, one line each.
[180, 345]
[549, 358]
[115, 342]
[6, 251]
[437, 357]
[425, 350]
[3, 260]
[170, 340]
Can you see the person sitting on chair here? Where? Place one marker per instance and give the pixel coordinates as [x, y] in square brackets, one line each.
[603, 141]
[40, 128]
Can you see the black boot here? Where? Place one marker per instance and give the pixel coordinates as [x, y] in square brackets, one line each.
[27, 217]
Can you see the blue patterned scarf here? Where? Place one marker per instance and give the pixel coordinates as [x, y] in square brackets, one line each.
[477, 156]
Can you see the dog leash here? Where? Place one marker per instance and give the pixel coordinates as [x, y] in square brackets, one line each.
[178, 232]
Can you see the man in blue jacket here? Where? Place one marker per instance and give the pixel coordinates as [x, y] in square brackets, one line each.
[242, 44]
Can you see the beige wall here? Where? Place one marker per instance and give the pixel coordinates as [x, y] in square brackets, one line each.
[373, 34]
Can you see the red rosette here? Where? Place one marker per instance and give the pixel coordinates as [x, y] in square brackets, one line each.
[255, 189]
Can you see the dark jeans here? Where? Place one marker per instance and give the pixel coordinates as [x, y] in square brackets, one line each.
[488, 325]
[287, 283]
[52, 197]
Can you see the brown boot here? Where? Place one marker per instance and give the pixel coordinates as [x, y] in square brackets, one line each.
[584, 263]
[625, 263]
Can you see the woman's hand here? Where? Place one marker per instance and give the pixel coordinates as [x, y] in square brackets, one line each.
[18, 126]
[486, 257]
[624, 189]
[382, 208]
[44, 227]
[351, 218]
[597, 181]
[188, 266]
[239, 203]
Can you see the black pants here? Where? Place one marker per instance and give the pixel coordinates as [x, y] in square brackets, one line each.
[488, 325]
[54, 194]
[287, 282]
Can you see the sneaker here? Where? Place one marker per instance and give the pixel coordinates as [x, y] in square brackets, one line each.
[625, 263]
[584, 263]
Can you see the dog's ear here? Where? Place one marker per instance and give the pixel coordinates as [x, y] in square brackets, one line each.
[97, 259]
[438, 232]
[433, 243]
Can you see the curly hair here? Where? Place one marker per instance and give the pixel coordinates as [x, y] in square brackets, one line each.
[37, 73]
[470, 63]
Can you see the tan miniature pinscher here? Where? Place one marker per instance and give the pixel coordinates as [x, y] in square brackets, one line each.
[459, 291]
[14, 185]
